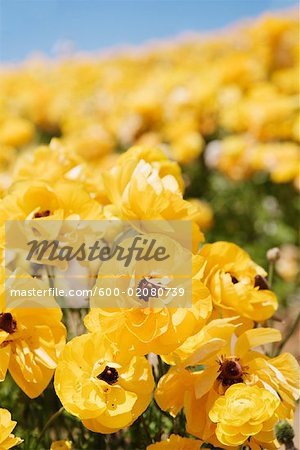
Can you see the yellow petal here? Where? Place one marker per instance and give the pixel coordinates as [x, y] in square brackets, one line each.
[205, 351]
[205, 380]
[254, 338]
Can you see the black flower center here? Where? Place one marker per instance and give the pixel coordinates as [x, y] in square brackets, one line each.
[7, 323]
[231, 371]
[148, 289]
[40, 214]
[109, 375]
[261, 283]
[233, 279]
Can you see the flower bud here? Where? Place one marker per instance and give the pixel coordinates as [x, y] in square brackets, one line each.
[284, 432]
[273, 254]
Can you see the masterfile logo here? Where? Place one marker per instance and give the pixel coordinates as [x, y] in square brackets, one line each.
[106, 264]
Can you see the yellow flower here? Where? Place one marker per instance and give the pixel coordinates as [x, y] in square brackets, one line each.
[208, 363]
[238, 286]
[155, 328]
[205, 216]
[156, 157]
[141, 190]
[48, 163]
[280, 159]
[16, 132]
[61, 445]
[231, 156]
[176, 443]
[39, 200]
[103, 384]
[245, 415]
[31, 338]
[7, 439]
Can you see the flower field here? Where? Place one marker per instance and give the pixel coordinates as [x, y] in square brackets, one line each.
[200, 131]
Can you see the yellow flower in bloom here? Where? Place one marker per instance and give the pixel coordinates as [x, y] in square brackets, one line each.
[48, 163]
[208, 363]
[245, 415]
[157, 328]
[238, 286]
[280, 159]
[176, 443]
[28, 200]
[231, 156]
[156, 157]
[16, 132]
[138, 190]
[102, 383]
[205, 216]
[7, 439]
[31, 338]
[89, 139]
[38, 200]
[187, 147]
[61, 445]
[197, 87]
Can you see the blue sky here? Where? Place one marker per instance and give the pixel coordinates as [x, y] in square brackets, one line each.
[28, 26]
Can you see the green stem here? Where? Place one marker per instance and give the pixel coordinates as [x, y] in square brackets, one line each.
[160, 366]
[271, 273]
[288, 335]
[146, 429]
[176, 424]
[48, 423]
[164, 413]
[290, 445]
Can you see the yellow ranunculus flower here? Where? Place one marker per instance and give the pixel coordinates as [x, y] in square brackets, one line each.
[196, 87]
[245, 415]
[156, 157]
[231, 156]
[47, 163]
[16, 132]
[102, 383]
[159, 329]
[39, 200]
[205, 216]
[31, 337]
[207, 364]
[61, 445]
[7, 439]
[176, 443]
[238, 286]
[137, 191]
[280, 159]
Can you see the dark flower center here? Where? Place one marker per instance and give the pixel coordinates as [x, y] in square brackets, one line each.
[233, 279]
[109, 375]
[40, 214]
[148, 290]
[231, 371]
[261, 283]
[7, 323]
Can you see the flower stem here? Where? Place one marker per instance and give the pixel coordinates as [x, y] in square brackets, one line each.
[48, 423]
[288, 335]
[146, 429]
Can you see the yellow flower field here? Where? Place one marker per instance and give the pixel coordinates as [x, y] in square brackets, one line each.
[195, 351]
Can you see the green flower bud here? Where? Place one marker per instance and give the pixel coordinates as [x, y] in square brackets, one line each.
[284, 432]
